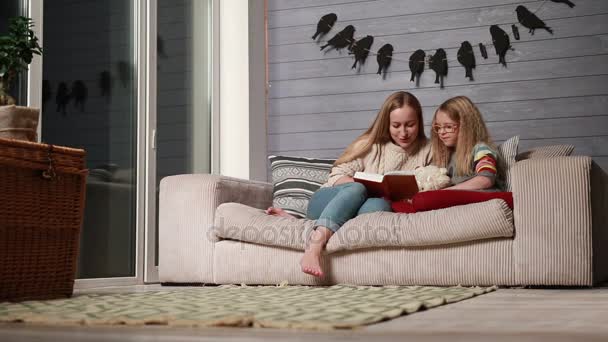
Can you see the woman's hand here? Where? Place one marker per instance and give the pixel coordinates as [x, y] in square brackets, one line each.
[344, 179]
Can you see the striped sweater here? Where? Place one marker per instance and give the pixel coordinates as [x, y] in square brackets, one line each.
[484, 164]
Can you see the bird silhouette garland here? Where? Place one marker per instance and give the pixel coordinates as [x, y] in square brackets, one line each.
[80, 94]
[384, 58]
[567, 2]
[501, 41]
[466, 57]
[439, 64]
[360, 49]
[417, 60]
[530, 20]
[342, 39]
[484, 52]
[417, 65]
[515, 31]
[62, 98]
[325, 24]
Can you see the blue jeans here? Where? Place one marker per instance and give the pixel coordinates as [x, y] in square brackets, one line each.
[331, 207]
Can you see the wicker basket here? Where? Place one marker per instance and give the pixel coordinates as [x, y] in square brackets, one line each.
[42, 191]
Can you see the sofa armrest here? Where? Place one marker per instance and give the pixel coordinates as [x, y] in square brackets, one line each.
[186, 211]
[553, 221]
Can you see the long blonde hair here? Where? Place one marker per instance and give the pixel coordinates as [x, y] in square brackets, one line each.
[379, 131]
[471, 131]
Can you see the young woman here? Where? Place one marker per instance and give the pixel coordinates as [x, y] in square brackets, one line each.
[461, 143]
[395, 141]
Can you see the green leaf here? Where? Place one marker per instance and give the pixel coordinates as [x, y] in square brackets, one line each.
[18, 47]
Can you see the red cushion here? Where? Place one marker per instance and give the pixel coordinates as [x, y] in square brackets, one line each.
[439, 199]
[403, 207]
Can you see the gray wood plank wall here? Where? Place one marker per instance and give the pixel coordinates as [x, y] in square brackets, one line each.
[554, 89]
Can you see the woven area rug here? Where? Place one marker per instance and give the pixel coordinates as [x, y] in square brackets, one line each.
[333, 307]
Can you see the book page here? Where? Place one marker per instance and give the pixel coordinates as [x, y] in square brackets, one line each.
[373, 177]
[400, 173]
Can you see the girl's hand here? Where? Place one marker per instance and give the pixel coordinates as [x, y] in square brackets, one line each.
[475, 183]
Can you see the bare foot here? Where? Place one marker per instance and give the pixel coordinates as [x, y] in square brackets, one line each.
[277, 212]
[311, 260]
[311, 263]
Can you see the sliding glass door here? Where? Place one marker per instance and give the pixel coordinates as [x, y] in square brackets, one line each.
[129, 81]
[183, 101]
[90, 101]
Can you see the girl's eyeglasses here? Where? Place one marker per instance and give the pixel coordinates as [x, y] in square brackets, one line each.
[445, 128]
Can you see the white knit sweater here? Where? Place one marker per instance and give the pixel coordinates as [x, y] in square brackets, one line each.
[381, 159]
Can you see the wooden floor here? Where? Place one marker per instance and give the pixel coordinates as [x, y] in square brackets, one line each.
[506, 315]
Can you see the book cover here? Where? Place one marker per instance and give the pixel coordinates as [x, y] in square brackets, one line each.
[396, 186]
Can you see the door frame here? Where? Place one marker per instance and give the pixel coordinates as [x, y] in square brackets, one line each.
[33, 9]
[151, 224]
[150, 269]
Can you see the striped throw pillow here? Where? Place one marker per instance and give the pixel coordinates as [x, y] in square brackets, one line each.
[506, 159]
[295, 179]
[542, 152]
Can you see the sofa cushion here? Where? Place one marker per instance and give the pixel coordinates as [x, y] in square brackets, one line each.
[470, 222]
[295, 179]
[506, 159]
[236, 221]
[542, 152]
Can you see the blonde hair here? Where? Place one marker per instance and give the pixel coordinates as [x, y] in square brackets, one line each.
[379, 131]
[471, 131]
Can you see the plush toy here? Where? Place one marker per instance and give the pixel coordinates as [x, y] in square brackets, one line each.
[431, 178]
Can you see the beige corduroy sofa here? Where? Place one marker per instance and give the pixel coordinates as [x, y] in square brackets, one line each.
[210, 232]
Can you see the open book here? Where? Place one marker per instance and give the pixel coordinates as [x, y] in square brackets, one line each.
[394, 185]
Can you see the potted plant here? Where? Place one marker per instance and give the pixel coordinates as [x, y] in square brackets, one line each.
[17, 49]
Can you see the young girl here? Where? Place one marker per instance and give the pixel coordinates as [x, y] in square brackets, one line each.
[461, 143]
[395, 141]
